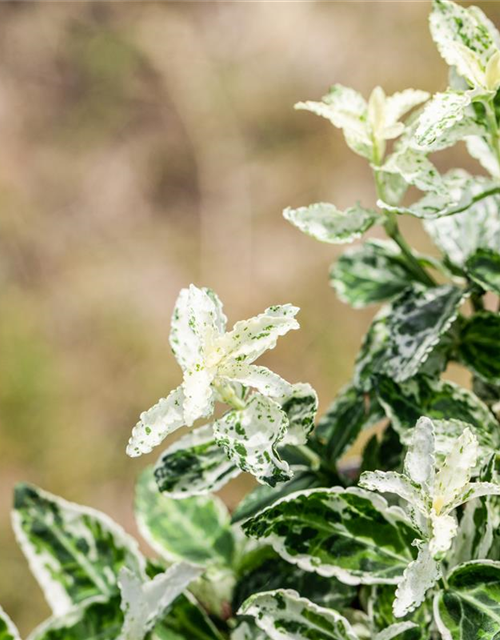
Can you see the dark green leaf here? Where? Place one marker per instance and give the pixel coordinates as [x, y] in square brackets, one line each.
[484, 268]
[480, 346]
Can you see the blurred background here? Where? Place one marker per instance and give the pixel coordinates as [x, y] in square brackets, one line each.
[144, 147]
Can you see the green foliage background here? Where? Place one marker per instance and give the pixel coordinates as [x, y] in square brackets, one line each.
[143, 147]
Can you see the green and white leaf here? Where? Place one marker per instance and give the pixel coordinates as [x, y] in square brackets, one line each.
[468, 129]
[469, 606]
[420, 576]
[443, 112]
[480, 149]
[300, 408]
[196, 529]
[326, 223]
[416, 169]
[480, 345]
[250, 438]
[97, 618]
[247, 631]
[284, 615]
[186, 620]
[74, 552]
[144, 603]
[350, 534]
[373, 352]
[418, 319]
[403, 630]
[194, 465]
[8, 630]
[370, 274]
[483, 267]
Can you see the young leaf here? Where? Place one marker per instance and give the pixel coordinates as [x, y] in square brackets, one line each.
[469, 606]
[283, 612]
[370, 274]
[420, 576]
[350, 534]
[480, 345]
[328, 224]
[443, 112]
[74, 552]
[194, 529]
[145, 603]
[439, 399]
[415, 169]
[97, 618]
[418, 320]
[483, 267]
[8, 630]
[194, 465]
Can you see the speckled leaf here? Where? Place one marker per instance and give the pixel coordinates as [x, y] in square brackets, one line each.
[448, 431]
[328, 224]
[74, 552]
[419, 576]
[370, 274]
[418, 320]
[461, 235]
[300, 408]
[250, 438]
[350, 413]
[443, 111]
[416, 169]
[8, 630]
[284, 615]
[373, 352]
[440, 399]
[479, 346]
[480, 148]
[193, 529]
[98, 619]
[400, 630]
[484, 268]
[194, 465]
[469, 607]
[350, 534]
[468, 128]
[144, 603]
[461, 33]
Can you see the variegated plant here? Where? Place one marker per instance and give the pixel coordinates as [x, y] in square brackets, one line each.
[401, 542]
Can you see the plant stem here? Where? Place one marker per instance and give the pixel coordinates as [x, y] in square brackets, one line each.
[392, 229]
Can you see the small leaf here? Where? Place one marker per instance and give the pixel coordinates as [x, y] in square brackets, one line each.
[194, 529]
[480, 345]
[8, 630]
[74, 552]
[370, 274]
[442, 112]
[418, 320]
[300, 408]
[484, 268]
[283, 612]
[420, 576]
[469, 606]
[328, 224]
[350, 534]
[194, 465]
[416, 169]
[437, 399]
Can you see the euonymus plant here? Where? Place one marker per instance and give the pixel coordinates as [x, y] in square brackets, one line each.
[407, 544]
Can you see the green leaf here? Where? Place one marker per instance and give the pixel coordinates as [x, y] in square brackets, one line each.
[186, 620]
[480, 345]
[403, 630]
[8, 630]
[145, 602]
[74, 552]
[484, 268]
[283, 612]
[328, 224]
[469, 607]
[98, 619]
[194, 465]
[418, 319]
[350, 413]
[465, 38]
[272, 572]
[347, 533]
[370, 274]
[195, 529]
[263, 495]
[459, 236]
[373, 353]
[439, 399]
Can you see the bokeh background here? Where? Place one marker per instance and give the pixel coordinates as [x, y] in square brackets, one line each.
[144, 147]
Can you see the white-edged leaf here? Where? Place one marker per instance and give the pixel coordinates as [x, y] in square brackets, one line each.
[420, 576]
[399, 630]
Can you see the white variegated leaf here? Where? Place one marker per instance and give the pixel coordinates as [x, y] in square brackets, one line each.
[251, 436]
[468, 128]
[420, 576]
[455, 473]
[441, 113]
[416, 169]
[444, 530]
[326, 223]
[480, 149]
[284, 615]
[144, 603]
[395, 630]
[393, 482]
[419, 460]
[398, 105]
[262, 379]
[300, 407]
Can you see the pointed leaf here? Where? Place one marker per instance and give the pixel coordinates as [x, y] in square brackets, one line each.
[194, 529]
[350, 534]
[328, 224]
[74, 552]
[480, 345]
[370, 274]
[420, 576]
[445, 110]
[419, 461]
[484, 268]
[283, 612]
